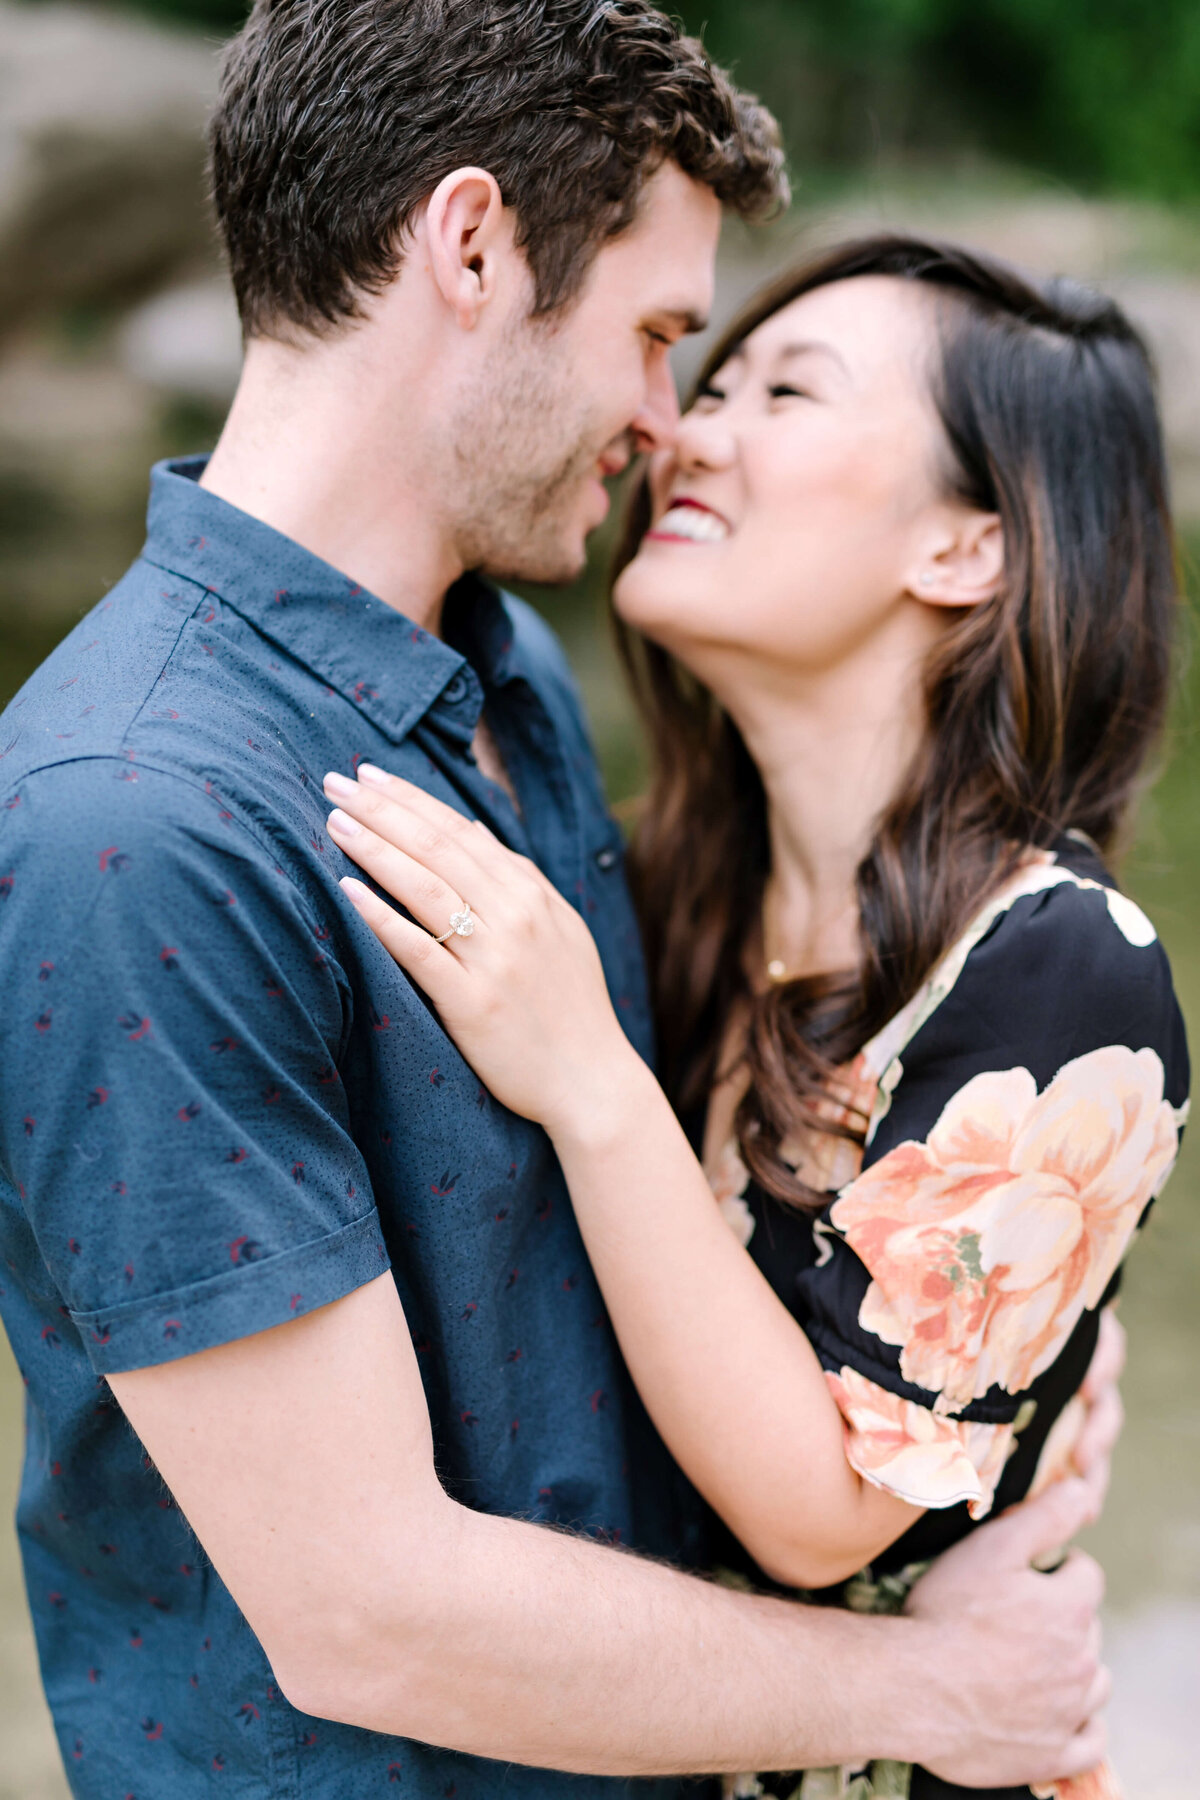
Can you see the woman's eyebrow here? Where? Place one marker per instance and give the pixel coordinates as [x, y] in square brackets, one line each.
[810, 347]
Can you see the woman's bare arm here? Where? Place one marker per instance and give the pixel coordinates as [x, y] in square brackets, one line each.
[729, 1378]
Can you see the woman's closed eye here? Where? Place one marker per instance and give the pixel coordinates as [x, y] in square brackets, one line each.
[783, 390]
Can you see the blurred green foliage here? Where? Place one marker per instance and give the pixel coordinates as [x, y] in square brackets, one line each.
[1103, 93]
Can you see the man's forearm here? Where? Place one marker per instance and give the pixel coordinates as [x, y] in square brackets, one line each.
[529, 1645]
[381, 1602]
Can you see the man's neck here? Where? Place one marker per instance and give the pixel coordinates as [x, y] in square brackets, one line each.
[310, 449]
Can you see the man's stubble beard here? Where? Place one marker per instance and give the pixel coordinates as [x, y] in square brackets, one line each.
[523, 452]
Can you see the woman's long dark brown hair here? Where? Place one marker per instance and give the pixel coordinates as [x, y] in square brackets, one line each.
[1042, 704]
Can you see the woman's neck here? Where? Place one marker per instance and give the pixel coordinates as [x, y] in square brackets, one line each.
[832, 750]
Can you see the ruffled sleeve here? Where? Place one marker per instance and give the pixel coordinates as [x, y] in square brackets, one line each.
[1030, 1121]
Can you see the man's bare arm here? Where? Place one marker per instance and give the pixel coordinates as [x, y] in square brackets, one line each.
[382, 1603]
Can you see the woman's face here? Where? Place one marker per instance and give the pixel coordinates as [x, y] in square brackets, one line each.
[803, 503]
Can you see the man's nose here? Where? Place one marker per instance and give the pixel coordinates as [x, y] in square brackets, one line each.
[657, 420]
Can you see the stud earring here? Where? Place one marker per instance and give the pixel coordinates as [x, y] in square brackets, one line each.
[926, 578]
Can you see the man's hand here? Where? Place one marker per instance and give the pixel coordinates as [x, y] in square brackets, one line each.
[1017, 1656]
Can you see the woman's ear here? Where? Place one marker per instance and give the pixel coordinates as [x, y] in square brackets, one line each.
[466, 231]
[963, 565]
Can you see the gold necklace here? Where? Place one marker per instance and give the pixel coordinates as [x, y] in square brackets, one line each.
[777, 969]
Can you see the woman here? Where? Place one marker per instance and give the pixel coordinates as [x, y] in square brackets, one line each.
[899, 617]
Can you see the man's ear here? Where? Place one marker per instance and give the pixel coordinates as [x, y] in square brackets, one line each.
[466, 229]
[962, 564]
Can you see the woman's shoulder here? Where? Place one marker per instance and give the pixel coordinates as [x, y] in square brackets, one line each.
[1059, 965]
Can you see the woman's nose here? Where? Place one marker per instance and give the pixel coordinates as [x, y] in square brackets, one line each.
[705, 440]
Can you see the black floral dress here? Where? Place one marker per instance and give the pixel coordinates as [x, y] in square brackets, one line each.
[1025, 1111]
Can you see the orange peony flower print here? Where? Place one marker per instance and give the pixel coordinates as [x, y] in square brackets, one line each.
[914, 1452]
[1099, 1783]
[986, 1242]
[729, 1178]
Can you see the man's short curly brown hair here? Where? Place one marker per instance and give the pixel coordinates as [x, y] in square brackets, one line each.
[338, 118]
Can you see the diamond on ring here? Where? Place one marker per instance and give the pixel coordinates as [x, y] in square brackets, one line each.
[462, 924]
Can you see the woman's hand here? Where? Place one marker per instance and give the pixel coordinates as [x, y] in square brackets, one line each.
[523, 996]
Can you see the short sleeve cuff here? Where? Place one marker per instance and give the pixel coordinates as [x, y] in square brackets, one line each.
[245, 1300]
[918, 1455]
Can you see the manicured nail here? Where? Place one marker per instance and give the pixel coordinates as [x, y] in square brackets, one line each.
[372, 776]
[355, 891]
[338, 784]
[342, 822]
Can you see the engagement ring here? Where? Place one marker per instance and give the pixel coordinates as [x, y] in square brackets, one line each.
[461, 924]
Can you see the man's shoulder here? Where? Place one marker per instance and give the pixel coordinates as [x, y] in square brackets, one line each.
[100, 681]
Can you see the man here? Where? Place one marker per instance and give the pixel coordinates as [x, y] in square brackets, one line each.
[255, 1205]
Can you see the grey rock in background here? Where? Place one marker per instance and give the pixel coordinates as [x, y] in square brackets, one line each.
[101, 160]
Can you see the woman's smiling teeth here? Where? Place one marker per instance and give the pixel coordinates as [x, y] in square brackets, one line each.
[695, 523]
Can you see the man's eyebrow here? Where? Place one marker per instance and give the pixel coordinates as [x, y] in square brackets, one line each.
[686, 318]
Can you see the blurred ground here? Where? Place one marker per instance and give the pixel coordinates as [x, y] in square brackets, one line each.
[118, 344]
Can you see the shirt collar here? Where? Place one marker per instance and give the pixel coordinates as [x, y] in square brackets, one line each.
[391, 669]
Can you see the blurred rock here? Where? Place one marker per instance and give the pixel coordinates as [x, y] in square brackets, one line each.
[101, 156]
[186, 341]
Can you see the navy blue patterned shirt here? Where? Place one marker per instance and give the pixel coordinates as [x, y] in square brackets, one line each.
[222, 1105]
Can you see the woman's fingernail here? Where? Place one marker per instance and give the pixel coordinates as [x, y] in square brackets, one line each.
[342, 822]
[355, 891]
[338, 784]
[371, 775]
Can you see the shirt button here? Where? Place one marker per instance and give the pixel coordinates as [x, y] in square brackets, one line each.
[455, 689]
[607, 858]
